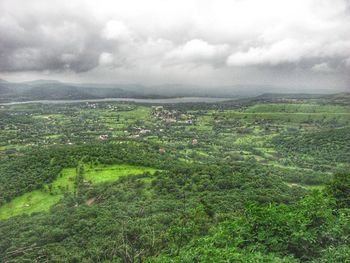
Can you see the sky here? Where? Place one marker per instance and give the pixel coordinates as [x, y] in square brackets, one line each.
[301, 45]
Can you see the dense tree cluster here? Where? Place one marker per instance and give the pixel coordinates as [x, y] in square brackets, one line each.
[194, 214]
[325, 147]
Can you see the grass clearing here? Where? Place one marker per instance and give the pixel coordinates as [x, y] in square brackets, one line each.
[35, 201]
[110, 173]
[42, 199]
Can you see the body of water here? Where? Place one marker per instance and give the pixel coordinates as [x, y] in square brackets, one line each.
[154, 101]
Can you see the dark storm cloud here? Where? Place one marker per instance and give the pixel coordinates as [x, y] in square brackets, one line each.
[55, 41]
[189, 41]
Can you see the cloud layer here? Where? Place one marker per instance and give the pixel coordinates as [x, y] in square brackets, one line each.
[186, 41]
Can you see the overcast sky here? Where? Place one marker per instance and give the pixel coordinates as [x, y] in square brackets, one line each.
[297, 44]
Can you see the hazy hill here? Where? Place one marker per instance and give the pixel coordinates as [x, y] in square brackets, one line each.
[56, 90]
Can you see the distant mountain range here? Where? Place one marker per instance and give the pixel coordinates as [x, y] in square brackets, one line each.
[56, 90]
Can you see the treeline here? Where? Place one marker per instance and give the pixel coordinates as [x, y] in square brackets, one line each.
[311, 230]
[325, 147]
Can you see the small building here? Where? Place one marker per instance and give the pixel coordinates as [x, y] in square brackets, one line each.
[158, 108]
[194, 142]
[161, 150]
[103, 137]
[143, 131]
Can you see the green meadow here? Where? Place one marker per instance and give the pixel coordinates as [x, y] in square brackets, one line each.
[42, 199]
[111, 173]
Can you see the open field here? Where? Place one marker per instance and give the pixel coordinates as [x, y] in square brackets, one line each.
[35, 201]
[111, 173]
[42, 199]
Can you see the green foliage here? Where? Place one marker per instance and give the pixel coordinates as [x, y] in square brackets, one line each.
[297, 108]
[303, 231]
[339, 187]
[326, 146]
[145, 192]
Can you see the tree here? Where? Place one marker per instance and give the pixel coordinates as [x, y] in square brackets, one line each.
[339, 187]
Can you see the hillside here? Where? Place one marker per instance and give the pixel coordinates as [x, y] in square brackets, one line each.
[55, 90]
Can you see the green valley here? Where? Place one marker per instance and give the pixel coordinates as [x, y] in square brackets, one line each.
[264, 179]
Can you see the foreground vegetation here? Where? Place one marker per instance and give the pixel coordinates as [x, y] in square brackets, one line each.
[261, 180]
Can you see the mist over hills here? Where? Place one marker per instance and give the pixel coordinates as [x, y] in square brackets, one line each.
[56, 90]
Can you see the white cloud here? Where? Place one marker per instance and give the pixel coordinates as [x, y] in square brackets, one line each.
[198, 50]
[322, 68]
[116, 30]
[289, 51]
[106, 59]
[285, 51]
